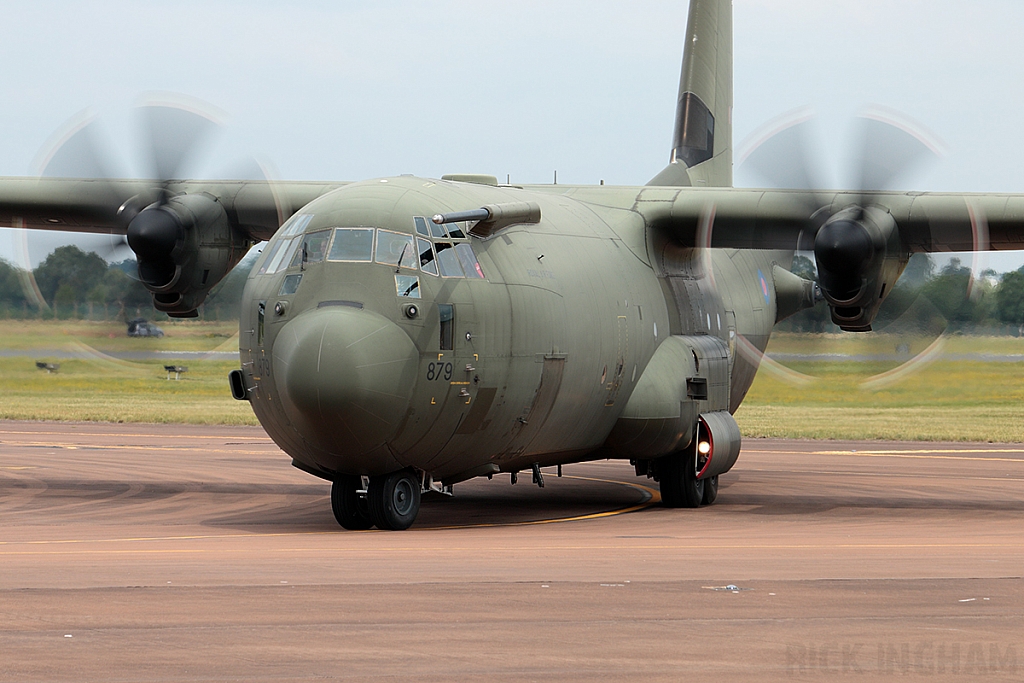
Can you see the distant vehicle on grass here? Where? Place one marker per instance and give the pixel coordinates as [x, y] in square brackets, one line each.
[141, 328]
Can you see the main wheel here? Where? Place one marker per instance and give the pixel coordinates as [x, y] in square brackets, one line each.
[394, 500]
[680, 487]
[710, 490]
[350, 509]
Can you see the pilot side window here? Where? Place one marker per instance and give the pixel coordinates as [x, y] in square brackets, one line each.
[447, 260]
[269, 252]
[284, 255]
[468, 260]
[427, 263]
[447, 315]
[352, 244]
[314, 246]
[395, 249]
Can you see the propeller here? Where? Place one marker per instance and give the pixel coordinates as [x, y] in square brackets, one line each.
[172, 137]
[853, 237]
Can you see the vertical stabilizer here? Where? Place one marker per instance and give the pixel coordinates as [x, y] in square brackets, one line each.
[702, 143]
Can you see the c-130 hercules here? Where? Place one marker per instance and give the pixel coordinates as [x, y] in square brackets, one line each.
[404, 334]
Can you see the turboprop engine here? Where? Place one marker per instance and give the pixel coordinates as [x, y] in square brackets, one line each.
[859, 257]
[185, 245]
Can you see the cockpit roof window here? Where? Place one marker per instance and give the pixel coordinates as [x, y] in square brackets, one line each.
[395, 249]
[437, 231]
[421, 226]
[296, 224]
[352, 244]
[455, 231]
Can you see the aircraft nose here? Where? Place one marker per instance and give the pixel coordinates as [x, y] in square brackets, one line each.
[345, 377]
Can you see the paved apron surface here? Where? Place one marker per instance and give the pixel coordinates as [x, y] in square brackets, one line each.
[144, 552]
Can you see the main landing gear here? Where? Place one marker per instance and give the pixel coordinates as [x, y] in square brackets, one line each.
[680, 487]
[391, 501]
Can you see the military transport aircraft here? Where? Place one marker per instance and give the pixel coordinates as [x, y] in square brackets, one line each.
[401, 335]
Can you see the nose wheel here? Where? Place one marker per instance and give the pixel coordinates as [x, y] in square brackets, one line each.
[394, 500]
[349, 506]
[391, 502]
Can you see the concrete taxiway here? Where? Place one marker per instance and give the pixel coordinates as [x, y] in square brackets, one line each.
[146, 552]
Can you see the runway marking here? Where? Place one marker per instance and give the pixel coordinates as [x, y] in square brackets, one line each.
[911, 455]
[140, 436]
[122, 447]
[688, 546]
[886, 475]
[652, 497]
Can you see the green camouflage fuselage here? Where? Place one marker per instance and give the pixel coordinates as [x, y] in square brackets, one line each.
[537, 361]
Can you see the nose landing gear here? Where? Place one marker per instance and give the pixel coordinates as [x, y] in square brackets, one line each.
[394, 500]
[391, 501]
[349, 503]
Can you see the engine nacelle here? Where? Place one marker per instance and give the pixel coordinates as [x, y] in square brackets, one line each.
[718, 443]
[859, 256]
[184, 246]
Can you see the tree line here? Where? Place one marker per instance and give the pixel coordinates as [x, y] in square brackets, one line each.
[77, 284]
[930, 300]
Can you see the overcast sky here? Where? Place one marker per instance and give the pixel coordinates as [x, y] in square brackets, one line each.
[349, 90]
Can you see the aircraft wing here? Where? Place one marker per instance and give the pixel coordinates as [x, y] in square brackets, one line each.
[790, 219]
[256, 208]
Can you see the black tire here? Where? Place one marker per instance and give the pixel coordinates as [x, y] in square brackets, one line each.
[680, 487]
[710, 490]
[394, 500]
[350, 509]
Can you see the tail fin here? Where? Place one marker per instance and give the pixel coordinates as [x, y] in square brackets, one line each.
[702, 144]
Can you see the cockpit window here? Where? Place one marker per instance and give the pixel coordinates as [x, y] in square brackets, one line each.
[408, 286]
[437, 231]
[283, 256]
[421, 226]
[352, 244]
[295, 225]
[269, 254]
[427, 263]
[447, 260]
[468, 260]
[395, 249]
[455, 230]
[290, 285]
[315, 245]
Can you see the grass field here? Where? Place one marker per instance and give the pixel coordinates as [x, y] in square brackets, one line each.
[937, 400]
[101, 388]
[926, 399]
